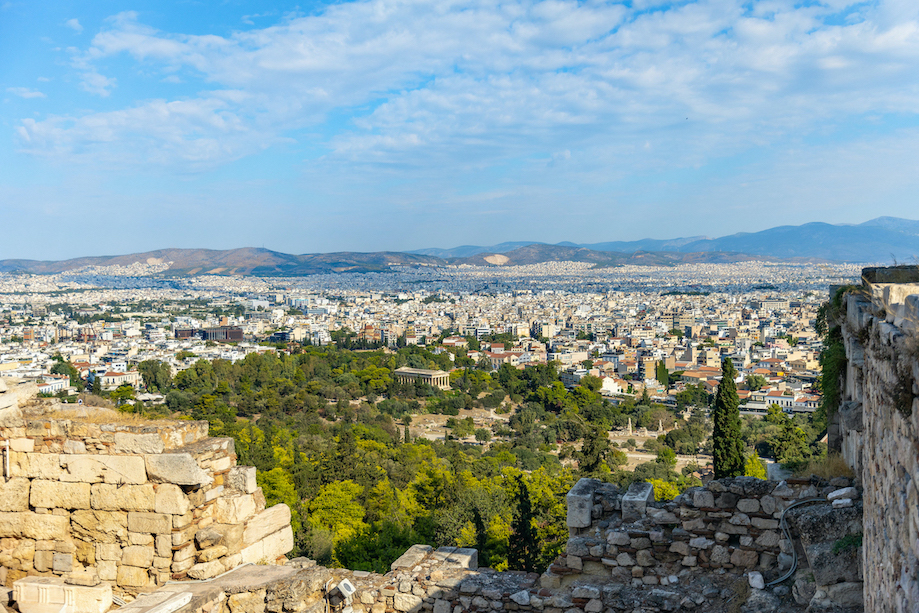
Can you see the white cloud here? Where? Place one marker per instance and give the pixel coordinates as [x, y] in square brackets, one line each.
[74, 24]
[479, 81]
[25, 92]
[98, 84]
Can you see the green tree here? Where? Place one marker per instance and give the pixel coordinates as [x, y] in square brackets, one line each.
[754, 467]
[593, 452]
[755, 382]
[662, 374]
[727, 445]
[524, 547]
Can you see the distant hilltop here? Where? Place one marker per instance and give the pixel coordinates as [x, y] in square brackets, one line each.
[880, 240]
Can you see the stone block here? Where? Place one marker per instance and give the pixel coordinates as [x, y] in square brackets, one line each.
[107, 570]
[86, 577]
[703, 499]
[645, 558]
[149, 523]
[580, 501]
[140, 538]
[744, 559]
[62, 563]
[43, 560]
[748, 505]
[34, 526]
[177, 468]
[74, 447]
[242, 479]
[183, 565]
[407, 603]
[247, 602]
[206, 570]
[170, 498]
[847, 594]
[14, 494]
[53, 595]
[234, 509]
[270, 548]
[111, 469]
[620, 539]
[137, 444]
[24, 445]
[267, 522]
[137, 555]
[635, 501]
[35, 465]
[131, 576]
[57, 495]
[109, 551]
[184, 553]
[100, 526]
[212, 553]
[110, 497]
[163, 545]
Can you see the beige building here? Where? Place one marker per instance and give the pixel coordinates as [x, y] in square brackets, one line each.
[434, 378]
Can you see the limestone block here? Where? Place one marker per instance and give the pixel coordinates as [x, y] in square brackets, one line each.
[620, 539]
[212, 553]
[26, 445]
[131, 576]
[183, 536]
[140, 538]
[73, 447]
[53, 595]
[43, 560]
[57, 495]
[184, 553]
[62, 563]
[109, 551]
[170, 499]
[14, 494]
[409, 603]
[267, 522]
[109, 497]
[221, 464]
[719, 556]
[86, 577]
[163, 545]
[150, 523]
[115, 470]
[247, 602]
[35, 465]
[137, 555]
[128, 442]
[580, 501]
[107, 570]
[767, 503]
[269, 548]
[177, 468]
[183, 565]
[764, 524]
[208, 537]
[34, 526]
[206, 570]
[242, 479]
[635, 501]
[443, 606]
[847, 594]
[234, 509]
[160, 562]
[644, 558]
[100, 526]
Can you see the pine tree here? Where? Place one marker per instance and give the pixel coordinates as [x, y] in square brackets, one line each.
[727, 447]
[523, 548]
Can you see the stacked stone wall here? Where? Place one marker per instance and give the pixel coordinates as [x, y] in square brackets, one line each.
[140, 505]
[627, 538]
[878, 426]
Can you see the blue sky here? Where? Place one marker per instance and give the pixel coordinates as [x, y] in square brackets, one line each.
[364, 126]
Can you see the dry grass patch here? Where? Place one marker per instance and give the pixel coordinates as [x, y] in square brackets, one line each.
[827, 467]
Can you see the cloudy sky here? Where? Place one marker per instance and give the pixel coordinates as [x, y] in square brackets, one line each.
[403, 124]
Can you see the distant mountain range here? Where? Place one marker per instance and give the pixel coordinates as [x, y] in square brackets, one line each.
[880, 240]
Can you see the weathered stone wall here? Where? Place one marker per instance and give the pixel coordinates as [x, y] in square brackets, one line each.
[138, 504]
[730, 524]
[879, 431]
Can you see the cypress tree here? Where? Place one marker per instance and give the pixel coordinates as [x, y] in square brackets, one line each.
[727, 447]
[523, 548]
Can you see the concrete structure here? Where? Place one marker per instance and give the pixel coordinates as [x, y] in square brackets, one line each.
[434, 378]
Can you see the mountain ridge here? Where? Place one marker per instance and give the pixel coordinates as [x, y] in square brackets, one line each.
[873, 241]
